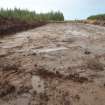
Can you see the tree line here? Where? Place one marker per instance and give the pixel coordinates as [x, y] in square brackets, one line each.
[31, 15]
[97, 17]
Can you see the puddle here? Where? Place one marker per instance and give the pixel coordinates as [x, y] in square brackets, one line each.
[47, 50]
[75, 33]
[10, 45]
[3, 53]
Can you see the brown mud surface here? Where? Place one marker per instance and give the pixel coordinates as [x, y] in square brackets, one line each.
[56, 64]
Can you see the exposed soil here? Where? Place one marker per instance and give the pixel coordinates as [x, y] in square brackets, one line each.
[56, 64]
[95, 22]
[12, 25]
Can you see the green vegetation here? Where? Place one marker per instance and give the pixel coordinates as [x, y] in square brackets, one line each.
[97, 17]
[31, 15]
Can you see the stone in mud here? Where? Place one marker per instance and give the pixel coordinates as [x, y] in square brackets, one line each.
[38, 84]
[22, 101]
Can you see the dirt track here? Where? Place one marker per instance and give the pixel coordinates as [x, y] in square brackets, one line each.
[57, 64]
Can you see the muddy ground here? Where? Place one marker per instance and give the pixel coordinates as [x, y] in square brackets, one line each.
[56, 64]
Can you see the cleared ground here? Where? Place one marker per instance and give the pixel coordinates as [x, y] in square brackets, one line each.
[57, 64]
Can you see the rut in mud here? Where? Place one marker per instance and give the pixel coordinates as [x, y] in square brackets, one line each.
[56, 64]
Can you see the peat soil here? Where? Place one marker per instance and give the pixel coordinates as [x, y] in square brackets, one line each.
[12, 25]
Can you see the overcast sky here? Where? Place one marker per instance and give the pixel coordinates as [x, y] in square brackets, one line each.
[72, 9]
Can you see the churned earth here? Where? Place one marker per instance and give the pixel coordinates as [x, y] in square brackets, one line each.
[56, 64]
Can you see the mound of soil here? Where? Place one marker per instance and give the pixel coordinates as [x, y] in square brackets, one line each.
[12, 25]
[95, 22]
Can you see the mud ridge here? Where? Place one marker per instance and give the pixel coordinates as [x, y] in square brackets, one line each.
[42, 72]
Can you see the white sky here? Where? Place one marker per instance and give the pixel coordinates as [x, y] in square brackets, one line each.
[71, 8]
